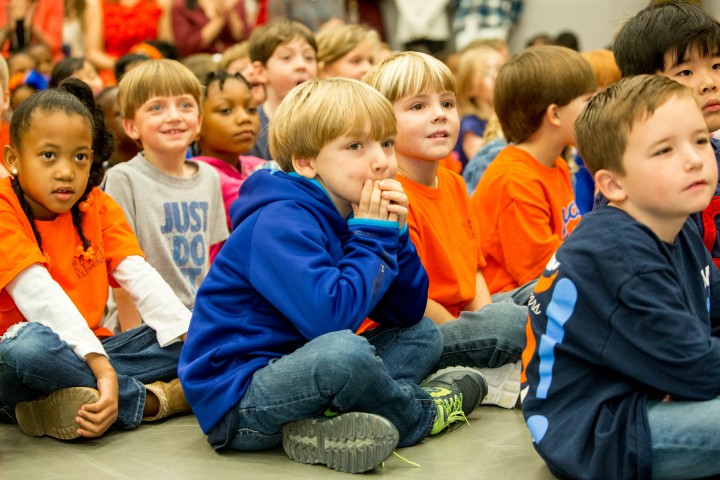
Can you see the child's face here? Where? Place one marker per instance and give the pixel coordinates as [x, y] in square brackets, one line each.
[702, 75]
[428, 125]
[244, 67]
[670, 168]
[165, 125]
[20, 63]
[43, 58]
[89, 75]
[483, 82]
[354, 64]
[343, 165]
[53, 162]
[290, 65]
[231, 122]
[111, 111]
[567, 115]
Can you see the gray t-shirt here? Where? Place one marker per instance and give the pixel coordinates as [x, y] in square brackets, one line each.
[175, 220]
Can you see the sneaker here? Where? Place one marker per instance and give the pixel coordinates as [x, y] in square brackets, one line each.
[456, 392]
[503, 385]
[352, 442]
[55, 414]
[171, 397]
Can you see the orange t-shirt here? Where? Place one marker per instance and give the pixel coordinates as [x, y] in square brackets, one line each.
[85, 278]
[444, 231]
[524, 210]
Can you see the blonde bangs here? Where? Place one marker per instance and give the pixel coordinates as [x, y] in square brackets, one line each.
[410, 73]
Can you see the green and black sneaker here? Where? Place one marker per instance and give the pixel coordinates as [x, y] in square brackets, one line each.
[456, 394]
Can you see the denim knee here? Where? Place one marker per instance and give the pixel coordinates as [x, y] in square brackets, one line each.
[24, 342]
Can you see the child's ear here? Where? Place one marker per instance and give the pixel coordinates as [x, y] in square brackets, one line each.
[260, 72]
[610, 185]
[9, 157]
[305, 167]
[131, 128]
[553, 115]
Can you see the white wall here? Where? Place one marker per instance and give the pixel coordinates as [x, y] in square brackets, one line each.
[593, 21]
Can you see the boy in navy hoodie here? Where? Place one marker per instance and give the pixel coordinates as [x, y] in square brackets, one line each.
[622, 362]
[271, 356]
[681, 41]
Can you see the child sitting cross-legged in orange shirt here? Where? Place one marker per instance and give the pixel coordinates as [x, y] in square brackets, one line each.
[476, 332]
[524, 202]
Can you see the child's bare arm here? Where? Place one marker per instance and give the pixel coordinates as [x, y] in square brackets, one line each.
[437, 313]
[95, 418]
[128, 315]
[482, 294]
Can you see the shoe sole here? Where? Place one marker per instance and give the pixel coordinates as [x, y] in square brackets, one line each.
[55, 414]
[352, 442]
[473, 391]
[503, 385]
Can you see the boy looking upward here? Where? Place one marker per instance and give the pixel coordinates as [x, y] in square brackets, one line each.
[283, 54]
[271, 346]
[476, 332]
[525, 203]
[174, 205]
[622, 363]
[682, 42]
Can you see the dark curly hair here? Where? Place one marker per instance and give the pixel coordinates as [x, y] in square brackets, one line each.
[72, 97]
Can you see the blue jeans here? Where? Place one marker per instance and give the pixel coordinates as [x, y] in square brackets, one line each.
[490, 337]
[685, 439]
[376, 372]
[34, 362]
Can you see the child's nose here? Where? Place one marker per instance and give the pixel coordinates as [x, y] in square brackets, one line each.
[710, 82]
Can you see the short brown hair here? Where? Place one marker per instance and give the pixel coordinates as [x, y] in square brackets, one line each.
[603, 64]
[410, 73]
[602, 128]
[156, 78]
[266, 38]
[534, 79]
[319, 111]
[336, 41]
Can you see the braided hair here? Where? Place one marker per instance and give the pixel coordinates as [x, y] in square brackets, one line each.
[72, 97]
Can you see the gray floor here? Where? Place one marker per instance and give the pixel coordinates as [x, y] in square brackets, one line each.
[496, 445]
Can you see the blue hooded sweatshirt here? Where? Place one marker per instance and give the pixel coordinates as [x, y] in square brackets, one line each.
[293, 269]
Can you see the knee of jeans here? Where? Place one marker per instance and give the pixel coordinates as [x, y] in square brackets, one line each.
[24, 341]
[346, 350]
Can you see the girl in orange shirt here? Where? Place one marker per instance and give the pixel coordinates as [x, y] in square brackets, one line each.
[61, 373]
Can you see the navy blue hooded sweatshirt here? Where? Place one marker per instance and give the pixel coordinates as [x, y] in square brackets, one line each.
[293, 269]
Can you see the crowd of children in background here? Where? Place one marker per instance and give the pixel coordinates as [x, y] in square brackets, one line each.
[315, 201]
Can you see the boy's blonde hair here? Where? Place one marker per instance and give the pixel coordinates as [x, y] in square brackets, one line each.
[266, 38]
[319, 111]
[602, 129]
[473, 62]
[156, 78]
[410, 73]
[336, 41]
[234, 52]
[534, 79]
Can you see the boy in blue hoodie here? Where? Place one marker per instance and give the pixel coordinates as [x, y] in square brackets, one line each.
[680, 41]
[622, 362]
[271, 356]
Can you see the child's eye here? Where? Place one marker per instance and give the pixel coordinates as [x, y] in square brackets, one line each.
[684, 73]
[662, 151]
[251, 110]
[716, 66]
[224, 111]
[155, 108]
[703, 141]
[388, 143]
[448, 104]
[416, 106]
[355, 146]
[186, 105]
[48, 155]
[82, 157]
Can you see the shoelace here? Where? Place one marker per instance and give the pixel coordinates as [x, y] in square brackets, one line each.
[454, 406]
[402, 459]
